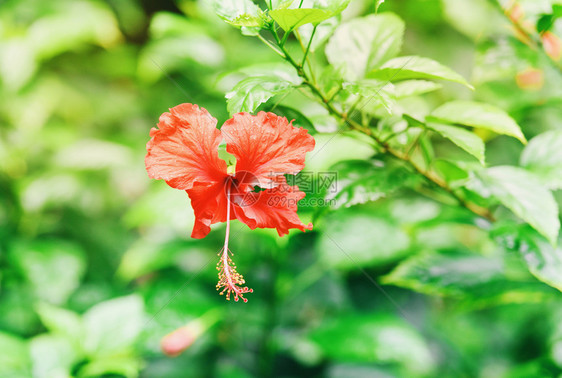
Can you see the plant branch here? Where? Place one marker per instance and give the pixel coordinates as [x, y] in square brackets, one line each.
[430, 176]
[535, 39]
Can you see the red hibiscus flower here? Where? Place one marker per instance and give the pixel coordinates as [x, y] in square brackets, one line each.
[183, 151]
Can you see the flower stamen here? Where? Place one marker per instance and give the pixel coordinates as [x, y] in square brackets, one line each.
[229, 278]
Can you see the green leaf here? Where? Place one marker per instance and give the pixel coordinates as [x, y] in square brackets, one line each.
[90, 22]
[522, 193]
[290, 19]
[543, 157]
[415, 67]
[544, 23]
[353, 239]
[111, 327]
[476, 280]
[543, 260]
[374, 339]
[360, 181]
[127, 366]
[14, 359]
[323, 31]
[374, 93]
[52, 356]
[249, 93]
[447, 274]
[281, 4]
[60, 321]
[466, 140]
[409, 88]
[479, 115]
[54, 268]
[362, 44]
[240, 13]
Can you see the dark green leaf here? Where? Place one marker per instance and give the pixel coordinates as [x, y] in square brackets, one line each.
[544, 23]
[445, 274]
[355, 338]
[361, 181]
[353, 239]
[476, 280]
[544, 260]
[478, 115]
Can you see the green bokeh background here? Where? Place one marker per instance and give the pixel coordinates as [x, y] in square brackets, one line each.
[96, 262]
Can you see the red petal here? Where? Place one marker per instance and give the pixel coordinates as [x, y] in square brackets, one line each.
[273, 208]
[184, 150]
[266, 145]
[209, 204]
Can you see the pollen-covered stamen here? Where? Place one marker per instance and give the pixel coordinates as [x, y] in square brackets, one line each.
[229, 278]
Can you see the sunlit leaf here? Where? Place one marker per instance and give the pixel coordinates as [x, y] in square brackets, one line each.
[52, 356]
[410, 88]
[415, 67]
[522, 193]
[465, 139]
[53, 268]
[14, 359]
[113, 326]
[290, 19]
[60, 321]
[249, 93]
[362, 44]
[478, 115]
[374, 93]
[240, 13]
[543, 157]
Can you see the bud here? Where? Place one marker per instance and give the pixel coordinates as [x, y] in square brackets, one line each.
[530, 79]
[177, 341]
[552, 45]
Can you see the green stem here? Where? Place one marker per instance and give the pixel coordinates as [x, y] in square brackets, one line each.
[305, 57]
[430, 176]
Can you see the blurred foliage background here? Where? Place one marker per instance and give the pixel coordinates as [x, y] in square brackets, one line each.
[96, 262]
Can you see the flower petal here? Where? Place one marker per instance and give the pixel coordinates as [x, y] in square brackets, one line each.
[184, 148]
[273, 208]
[209, 204]
[266, 145]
